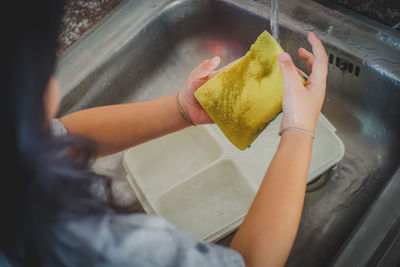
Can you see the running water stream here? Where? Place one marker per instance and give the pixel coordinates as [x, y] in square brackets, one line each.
[274, 26]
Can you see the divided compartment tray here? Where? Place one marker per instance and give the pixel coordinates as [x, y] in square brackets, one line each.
[200, 182]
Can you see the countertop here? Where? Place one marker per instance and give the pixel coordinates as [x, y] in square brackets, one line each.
[384, 11]
[80, 16]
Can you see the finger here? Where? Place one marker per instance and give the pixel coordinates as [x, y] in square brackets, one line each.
[320, 64]
[212, 74]
[317, 47]
[291, 78]
[199, 75]
[223, 68]
[205, 68]
[306, 56]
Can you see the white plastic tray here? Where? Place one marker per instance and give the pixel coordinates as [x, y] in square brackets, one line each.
[200, 182]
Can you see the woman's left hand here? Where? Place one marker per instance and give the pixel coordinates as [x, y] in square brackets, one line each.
[199, 76]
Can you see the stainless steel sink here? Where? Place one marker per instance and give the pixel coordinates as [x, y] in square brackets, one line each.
[146, 49]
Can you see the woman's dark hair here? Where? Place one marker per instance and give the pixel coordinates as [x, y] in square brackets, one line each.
[40, 183]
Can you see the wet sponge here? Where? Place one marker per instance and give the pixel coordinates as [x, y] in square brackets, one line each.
[244, 98]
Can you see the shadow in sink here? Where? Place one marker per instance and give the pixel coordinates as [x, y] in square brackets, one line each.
[152, 50]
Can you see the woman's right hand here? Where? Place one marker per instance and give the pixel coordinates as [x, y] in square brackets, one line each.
[302, 103]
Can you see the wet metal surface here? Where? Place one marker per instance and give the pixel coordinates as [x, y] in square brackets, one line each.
[146, 49]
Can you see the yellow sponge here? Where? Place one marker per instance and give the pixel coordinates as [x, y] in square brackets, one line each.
[244, 98]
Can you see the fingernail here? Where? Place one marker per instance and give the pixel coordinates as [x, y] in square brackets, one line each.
[283, 57]
[216, 59]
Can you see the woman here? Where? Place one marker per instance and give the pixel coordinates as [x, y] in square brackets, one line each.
[52, 215]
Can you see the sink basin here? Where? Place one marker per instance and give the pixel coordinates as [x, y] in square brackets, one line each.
[146, 49]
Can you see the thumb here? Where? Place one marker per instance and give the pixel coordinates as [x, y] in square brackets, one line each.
[205, 68]
[291, 78]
